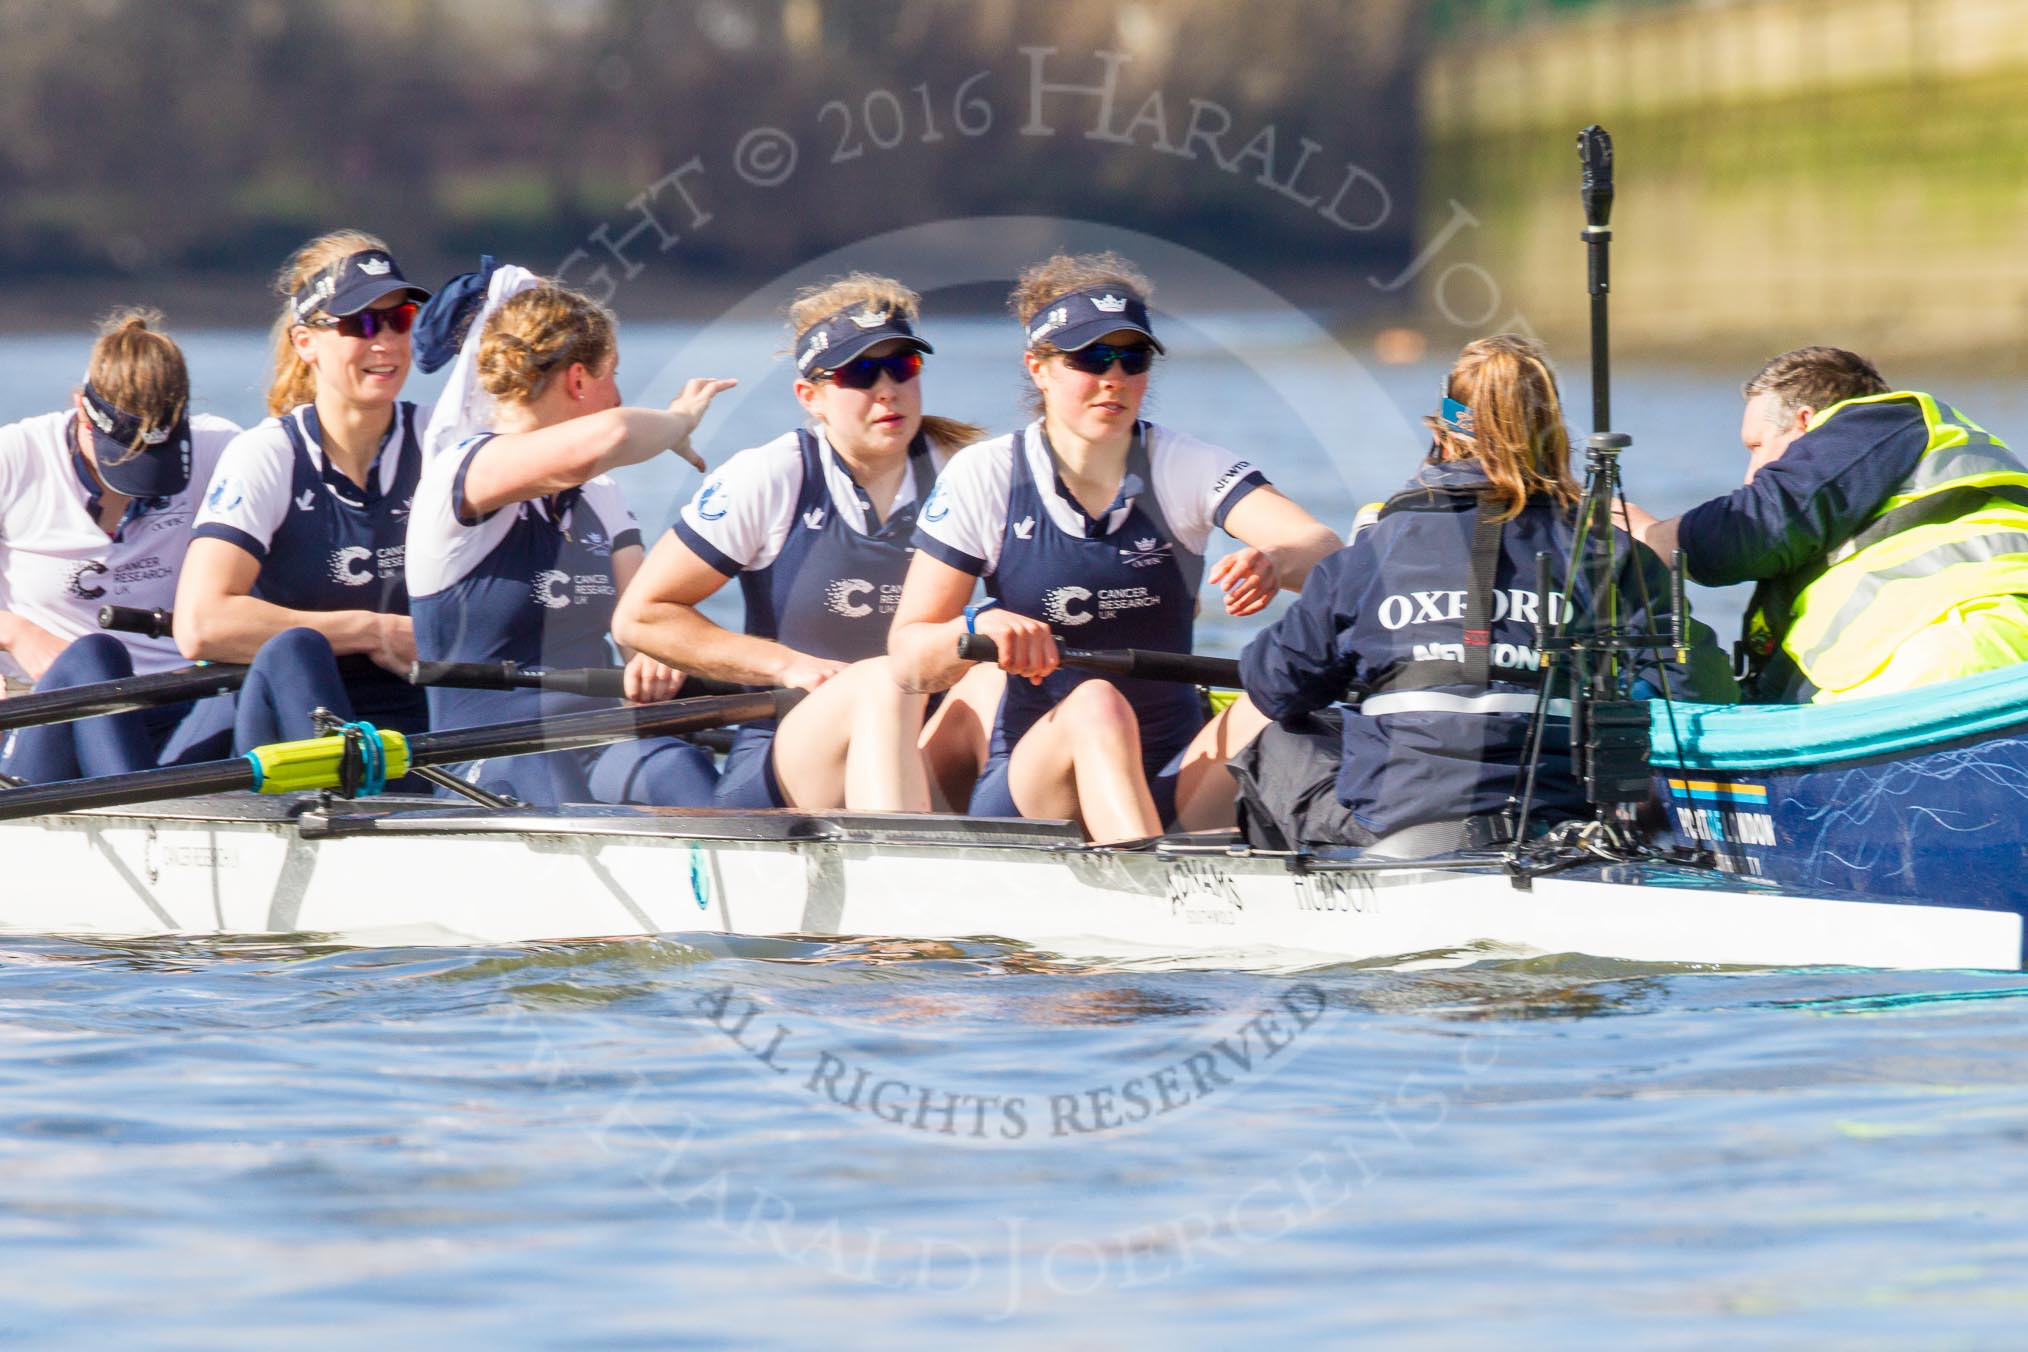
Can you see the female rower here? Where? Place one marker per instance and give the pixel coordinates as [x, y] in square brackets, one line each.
[296, 564]
[1090, 516]
[520, 544]
[1431, 753]
[95, 509]
[815, 525]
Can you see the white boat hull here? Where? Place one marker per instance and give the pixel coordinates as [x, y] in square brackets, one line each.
[446, 876]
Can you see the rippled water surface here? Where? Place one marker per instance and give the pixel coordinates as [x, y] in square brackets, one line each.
[649, 1143]
[672, 1142]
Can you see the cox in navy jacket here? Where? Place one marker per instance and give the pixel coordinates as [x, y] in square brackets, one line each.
[1397, 594]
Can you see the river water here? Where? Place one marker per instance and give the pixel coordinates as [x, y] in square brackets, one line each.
[689, 1141]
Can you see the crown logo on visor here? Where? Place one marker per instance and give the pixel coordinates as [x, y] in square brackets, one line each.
[871, 319]
[375, 267]
[1111, 305]
[157, 436]
[98, 417]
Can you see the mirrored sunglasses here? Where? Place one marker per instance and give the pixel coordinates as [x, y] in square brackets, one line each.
[369, 323]
[1095, 359]
[863, 374]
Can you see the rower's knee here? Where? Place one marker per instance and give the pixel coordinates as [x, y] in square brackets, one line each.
[88, 661]
[293, 649]
[1096, 710]
[873, 678]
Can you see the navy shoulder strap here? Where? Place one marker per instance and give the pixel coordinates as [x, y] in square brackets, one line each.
[295, 433]
[1140, 465]
[408, 472]
[814, 492]
[921, 468]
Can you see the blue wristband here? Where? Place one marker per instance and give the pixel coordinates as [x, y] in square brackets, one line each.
[974, 610]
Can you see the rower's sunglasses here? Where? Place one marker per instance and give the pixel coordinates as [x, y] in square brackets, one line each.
[1095, 359]
[369, 323]
[865, 373]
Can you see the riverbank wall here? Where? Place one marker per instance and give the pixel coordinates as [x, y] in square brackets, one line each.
[1789, 171]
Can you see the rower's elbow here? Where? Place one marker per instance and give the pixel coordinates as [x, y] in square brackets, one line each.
[905, 659]
[188, 629]
[629, 625]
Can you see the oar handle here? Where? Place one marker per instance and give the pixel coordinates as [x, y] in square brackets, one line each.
[598, 682]
[1145, 663]
[604, 682]
[153, 621]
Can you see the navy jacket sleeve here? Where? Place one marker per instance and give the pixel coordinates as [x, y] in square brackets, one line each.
[1806, 503]
[1301, 662]
[1646, 603]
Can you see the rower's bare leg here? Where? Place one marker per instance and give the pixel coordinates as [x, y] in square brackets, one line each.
[959, 736]
[851, 742]
[1082, 760]
[1207, 798]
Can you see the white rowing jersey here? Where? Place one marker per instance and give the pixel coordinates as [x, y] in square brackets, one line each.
[57, 567]
[743, 514]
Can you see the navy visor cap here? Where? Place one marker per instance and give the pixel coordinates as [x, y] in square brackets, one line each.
[351, 284]
[151, 465]
[1082, 317]
[841, 336]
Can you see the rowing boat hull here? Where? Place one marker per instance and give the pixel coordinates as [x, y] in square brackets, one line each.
[428, 874]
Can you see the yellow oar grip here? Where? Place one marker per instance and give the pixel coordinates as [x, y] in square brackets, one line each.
[1221, 700]
[294, 767]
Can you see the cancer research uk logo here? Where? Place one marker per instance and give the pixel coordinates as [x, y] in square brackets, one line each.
[855, 598]
[551, 589]
[842, 597]
[555, 589]
[345, 569]
[1068, 605]
[78, 587]
[1056, 605]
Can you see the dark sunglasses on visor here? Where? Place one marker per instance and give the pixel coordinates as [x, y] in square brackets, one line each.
[863, 374]
[1095, 359]
[369, 323]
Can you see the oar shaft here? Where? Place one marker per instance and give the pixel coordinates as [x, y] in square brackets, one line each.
[598, 682]
[118, 697]
[1147, 664]
[179, 781]
[594, 727]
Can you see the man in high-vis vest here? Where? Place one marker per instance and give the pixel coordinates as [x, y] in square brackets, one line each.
[1887, 533]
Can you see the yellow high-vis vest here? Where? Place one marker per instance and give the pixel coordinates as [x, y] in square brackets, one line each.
[1953, 532]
